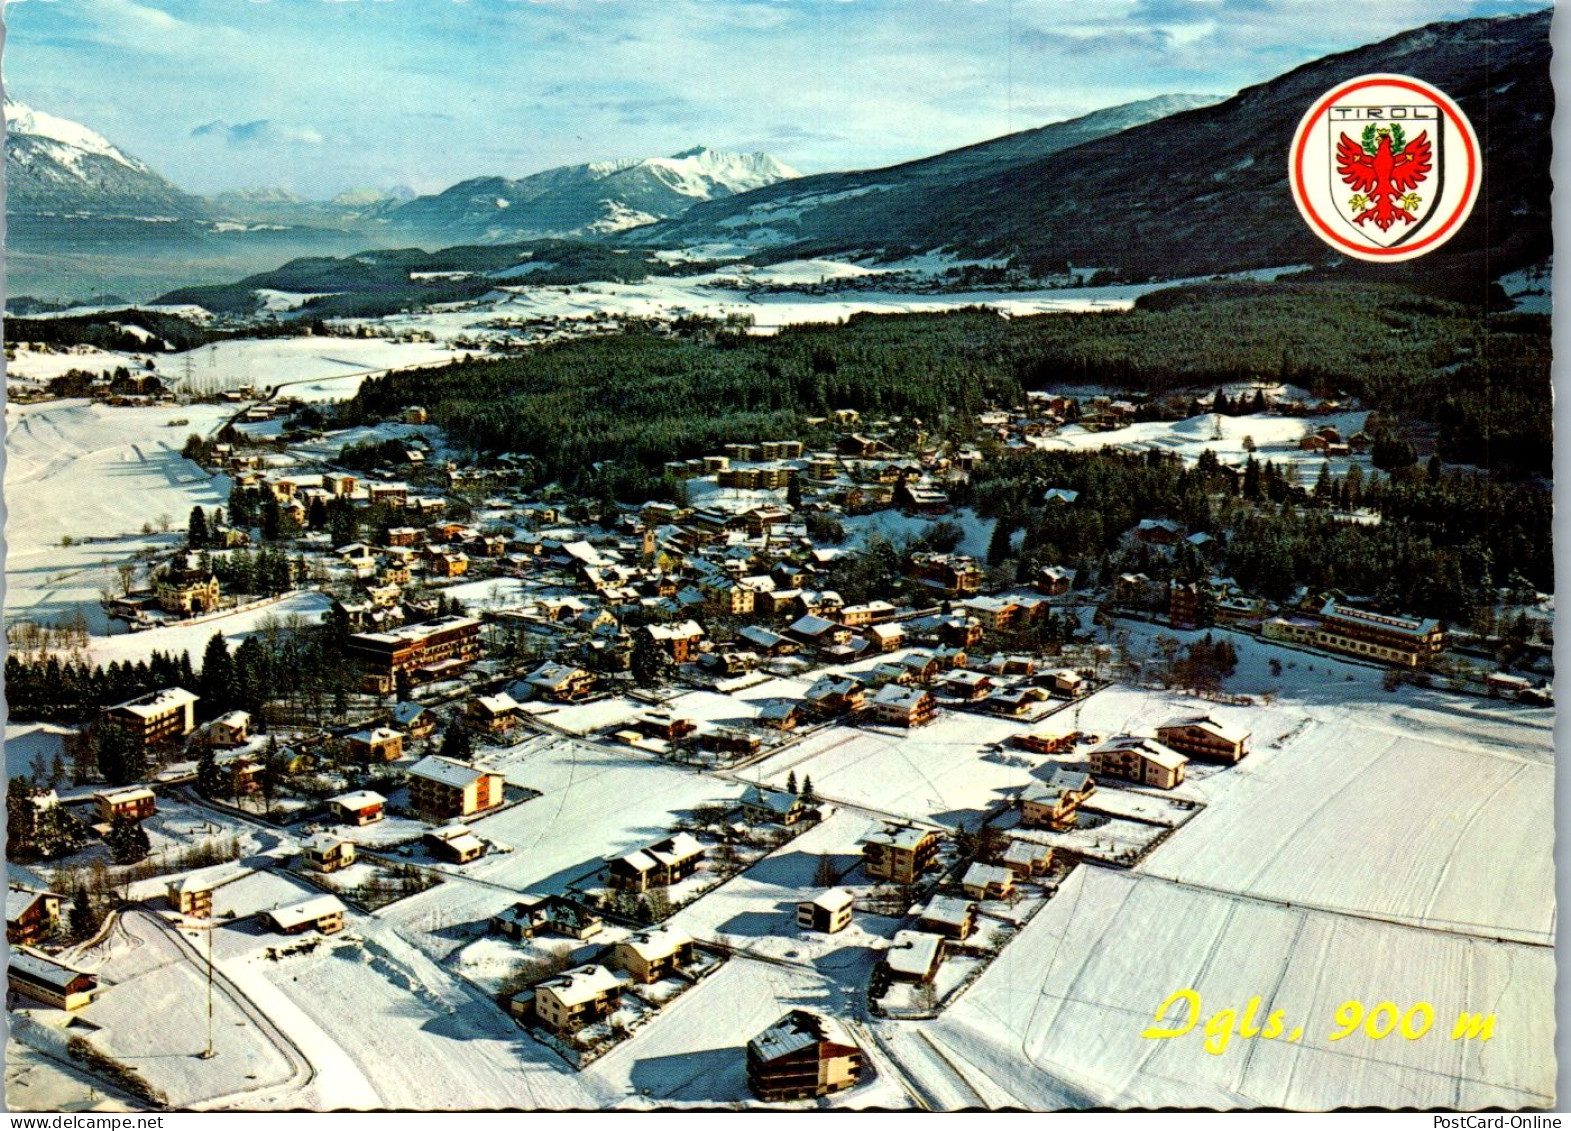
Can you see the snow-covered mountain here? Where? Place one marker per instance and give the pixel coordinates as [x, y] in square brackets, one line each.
[58, 167]
[578, 200]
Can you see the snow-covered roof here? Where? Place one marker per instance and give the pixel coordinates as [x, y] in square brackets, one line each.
[775, 800]
[41, 968]
[948, 910]
[1025, 852]
[375, 735]
[408, 712]
[123, 796]
[655, 943]
[580, 985]
[445, 771]
[796, 1031]
[984, 875]
[1148, 748]
[1228, 732]
[308, 911]
[899, 836]
[359, 799]
[913, 952]
[19, 899]
[157, 702]
[835, 899]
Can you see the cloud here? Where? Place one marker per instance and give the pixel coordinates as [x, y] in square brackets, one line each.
[261, 132]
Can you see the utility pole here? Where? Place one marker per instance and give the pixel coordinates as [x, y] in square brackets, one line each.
[209, 1052]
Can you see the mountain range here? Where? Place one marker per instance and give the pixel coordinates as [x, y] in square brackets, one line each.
[1169, 187]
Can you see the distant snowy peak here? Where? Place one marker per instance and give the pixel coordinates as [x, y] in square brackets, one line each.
[596, 197]
[67, 142]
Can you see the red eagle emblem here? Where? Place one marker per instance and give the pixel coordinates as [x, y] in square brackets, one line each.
[1383, 173]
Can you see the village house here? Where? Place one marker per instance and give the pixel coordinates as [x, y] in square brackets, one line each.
[232, 728]
[987, 881]
[780, 714]
[763, 806]
[135, 802]
[886, 637]
[895, 705]
[322, 913]
[436, 649]
[829, 912]
[951, 574]
[899, 853]
[442, 789]
[1064, 683]
[948, 916]
[994, 613]
[561, 683]
[31, 915]
[185, 588]
[556, 914]
[1053, 803]
[723, 740]
[679, 641]
[492, 714]
[819, 632]
[913, 956]
[45, 979]
[1014, 702]
[325, 852]
[660, 865]
[836, 695]
[362, 807]
[1201, 736]
[378, 744]
[966, 685]
[664, 725]
[1141, 760]
[653, 953]
[766, 642]
[1157, 531]
[154, 719]
[453, 844]
[1408, 641]
[191, 896]
[569, 1001]
[413, 719]
[1054, 581]
[801, 1056]
[1027, 859]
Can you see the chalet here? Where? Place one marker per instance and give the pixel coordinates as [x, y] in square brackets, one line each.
[987, 881]
[31, 916]
[1054, 580]
[136, 802]
[492, 714]
[44, 979]
[801, 1056]
[923, 666]
[1157, 531]
[453, 844]
[723, 740]
[1054, 803]
[362, 807]
[1059, 495]
[413, 719]
[569, 1001]
[446, 563]
[663, 724]
[1201, 736]
[660, 865]
[855, 616]
[766, 642]
[1131, 587]
[1141, 760]
[994, 613]
[154, 719]
[818, 631]
[679, 641]
[967, 685]
[322, 913]
[947, 916]
[560, 683]
[431, 650]
[1027, 859]
[1014, 702]
[781, 714]
[233, 728]
[886, 637]
[948, 573]
[405, 536]
[325, 852]
[191, 896]
[829, 912]
[895, 705]
[913, 956]
[763, 806]
[899, 853]
[653, 953]
[442, 789]
[1065, 683]
[836, 695]
[553, 914]
[378, 744]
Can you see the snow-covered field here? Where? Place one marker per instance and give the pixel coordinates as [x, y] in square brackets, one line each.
[192, 636]
[308, 368]
[1058, 1017]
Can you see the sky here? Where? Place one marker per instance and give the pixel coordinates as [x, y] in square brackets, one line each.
[318, 96]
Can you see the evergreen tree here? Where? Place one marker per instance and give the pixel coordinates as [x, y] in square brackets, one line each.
[211, 780]
[457, 743]
[649, 662]
[197, 536]
[217, 681]
[21, 819]
[127, 841]
[121, 758]
[84, 917]
[791, 782]
[808, 796]
[1000, 545]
